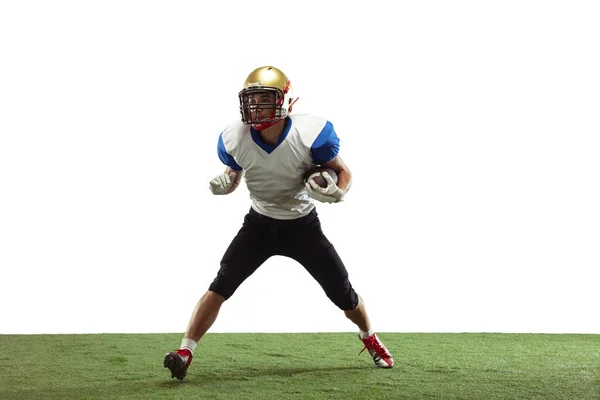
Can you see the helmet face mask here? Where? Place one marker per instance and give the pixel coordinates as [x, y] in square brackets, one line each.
[261, 104]
[266, 98]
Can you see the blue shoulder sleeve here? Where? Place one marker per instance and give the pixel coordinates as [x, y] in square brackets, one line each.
[326, 146]
[225, 157]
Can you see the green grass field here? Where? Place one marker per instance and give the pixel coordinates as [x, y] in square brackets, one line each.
[302, 366]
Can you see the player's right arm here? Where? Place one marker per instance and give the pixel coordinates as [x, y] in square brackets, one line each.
[229, 180]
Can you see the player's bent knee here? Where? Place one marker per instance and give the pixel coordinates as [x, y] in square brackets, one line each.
[344, 300]
[222, 290]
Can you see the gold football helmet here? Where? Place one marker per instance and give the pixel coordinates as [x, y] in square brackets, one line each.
[267, 97]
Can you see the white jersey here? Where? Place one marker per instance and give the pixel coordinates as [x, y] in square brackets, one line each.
[274, 174]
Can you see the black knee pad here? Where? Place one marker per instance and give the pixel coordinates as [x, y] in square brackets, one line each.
[220, 287]
[344, 297]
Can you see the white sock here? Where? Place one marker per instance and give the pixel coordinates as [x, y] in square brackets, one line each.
[188, 344]
[364, 335]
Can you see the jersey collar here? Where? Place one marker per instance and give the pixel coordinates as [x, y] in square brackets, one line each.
[269, 148]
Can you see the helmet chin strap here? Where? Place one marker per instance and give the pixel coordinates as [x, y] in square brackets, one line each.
[265, 125]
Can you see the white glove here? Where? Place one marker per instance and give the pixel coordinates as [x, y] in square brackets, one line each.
[222, 184]
[330, 194]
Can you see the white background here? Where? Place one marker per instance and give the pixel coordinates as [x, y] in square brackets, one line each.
[472, 129]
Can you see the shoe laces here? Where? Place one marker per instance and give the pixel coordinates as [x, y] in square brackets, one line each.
[373, 343]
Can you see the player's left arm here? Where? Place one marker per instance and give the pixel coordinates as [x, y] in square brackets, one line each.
[343, 172]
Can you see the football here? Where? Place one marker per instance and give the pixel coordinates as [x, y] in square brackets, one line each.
[315, 174]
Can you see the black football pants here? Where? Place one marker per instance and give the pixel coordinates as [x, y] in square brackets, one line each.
[302, 239]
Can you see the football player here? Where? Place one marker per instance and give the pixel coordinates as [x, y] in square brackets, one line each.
[273, 149]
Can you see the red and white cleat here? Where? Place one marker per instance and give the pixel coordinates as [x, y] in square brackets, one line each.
[178, 362]
[381, 356]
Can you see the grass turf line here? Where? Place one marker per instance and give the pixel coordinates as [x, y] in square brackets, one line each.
[302, 366]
